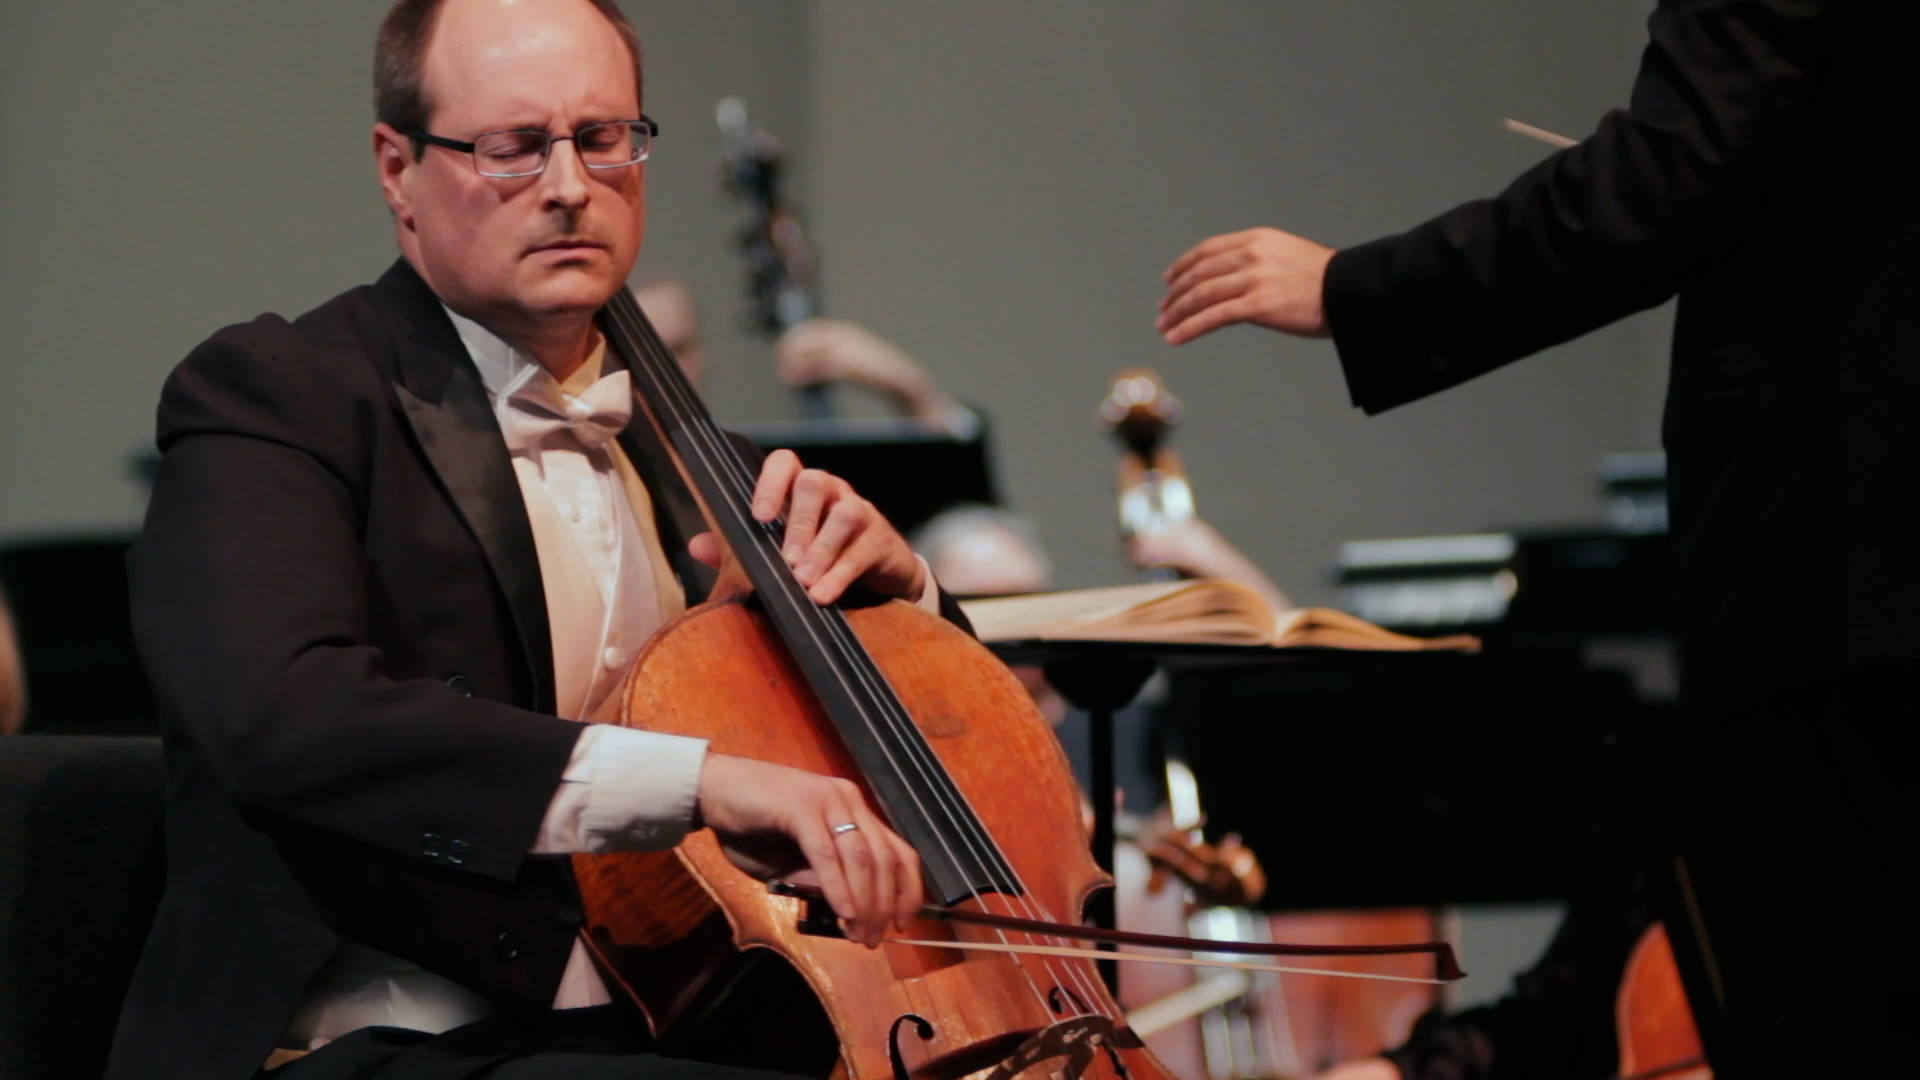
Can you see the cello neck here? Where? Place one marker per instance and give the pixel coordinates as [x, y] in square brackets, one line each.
[905, 777]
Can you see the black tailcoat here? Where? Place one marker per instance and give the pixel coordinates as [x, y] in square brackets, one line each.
[339, 600]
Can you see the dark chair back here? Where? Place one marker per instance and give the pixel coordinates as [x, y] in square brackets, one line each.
[69, 600]
[81, 865]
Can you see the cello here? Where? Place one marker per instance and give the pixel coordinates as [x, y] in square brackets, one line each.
[941, 738]
[1657, 1035]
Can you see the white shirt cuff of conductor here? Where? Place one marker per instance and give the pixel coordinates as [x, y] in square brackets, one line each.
[630, 790]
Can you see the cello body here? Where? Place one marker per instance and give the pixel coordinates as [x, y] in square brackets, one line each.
[943, 741]
[1658, 1037]
[672, 924]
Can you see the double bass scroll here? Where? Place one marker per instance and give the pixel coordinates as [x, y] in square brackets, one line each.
[781, 280]
[1154, 494]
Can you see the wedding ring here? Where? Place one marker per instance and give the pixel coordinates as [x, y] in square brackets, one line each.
[846, 828]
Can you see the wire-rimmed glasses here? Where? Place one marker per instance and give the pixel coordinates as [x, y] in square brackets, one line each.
[524, 152]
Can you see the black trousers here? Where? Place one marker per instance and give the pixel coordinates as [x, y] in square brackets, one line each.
[604, 1043]
[1790, 904]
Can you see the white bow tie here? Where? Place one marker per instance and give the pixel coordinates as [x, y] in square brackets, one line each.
[536, 408]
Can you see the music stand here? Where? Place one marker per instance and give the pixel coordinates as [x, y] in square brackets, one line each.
[1100, 677]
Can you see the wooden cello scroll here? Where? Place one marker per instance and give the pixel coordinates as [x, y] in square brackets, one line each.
[781, 280]
[1153, 490]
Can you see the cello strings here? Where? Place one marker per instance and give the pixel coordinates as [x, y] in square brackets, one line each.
[838, 627]
[727, 468]
[715, 453]
[856, 661]
[731, 470]
[712, 453]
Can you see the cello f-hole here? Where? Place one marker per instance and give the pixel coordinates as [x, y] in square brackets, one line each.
[921, 1028]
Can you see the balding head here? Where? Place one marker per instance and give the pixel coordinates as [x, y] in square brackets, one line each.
[983, 551]
[400, 96]
[670, 308]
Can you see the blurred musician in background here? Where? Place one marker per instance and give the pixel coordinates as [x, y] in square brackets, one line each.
[675, 317]
[933, 453]
[1764, 172]
[846, 353]
[1195, 549]
[817, 351]
[994, 552]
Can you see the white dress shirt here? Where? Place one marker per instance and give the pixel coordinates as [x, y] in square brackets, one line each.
[608, 587]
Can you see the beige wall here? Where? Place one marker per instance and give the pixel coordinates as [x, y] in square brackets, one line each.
[1002, 182]
[996, 184]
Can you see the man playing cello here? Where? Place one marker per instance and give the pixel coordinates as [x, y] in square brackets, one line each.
[399, 550]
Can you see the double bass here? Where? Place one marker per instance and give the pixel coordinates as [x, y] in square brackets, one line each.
[1279, 1027]
[941, 738]
[781, 280]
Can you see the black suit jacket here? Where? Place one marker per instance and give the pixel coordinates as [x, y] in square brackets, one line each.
[1766, 171]
[338, 597]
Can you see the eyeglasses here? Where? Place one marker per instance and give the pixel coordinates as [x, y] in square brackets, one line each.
[505, 154]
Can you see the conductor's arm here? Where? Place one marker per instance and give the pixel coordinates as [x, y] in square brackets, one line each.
[1604, 228]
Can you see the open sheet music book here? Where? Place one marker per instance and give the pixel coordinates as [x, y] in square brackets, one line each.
[1204, 611]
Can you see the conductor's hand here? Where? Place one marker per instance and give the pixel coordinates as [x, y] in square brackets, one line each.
[1261, 276]
[834, 537]
[776, 821]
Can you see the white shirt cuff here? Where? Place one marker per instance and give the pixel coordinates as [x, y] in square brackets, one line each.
[623, 790]
[930, 595]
